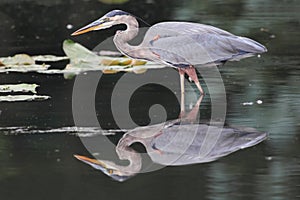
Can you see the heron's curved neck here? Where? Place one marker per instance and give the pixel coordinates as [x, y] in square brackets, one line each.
[122, 38]
[126, 153]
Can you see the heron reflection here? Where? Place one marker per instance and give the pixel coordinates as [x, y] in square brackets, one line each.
[174, 143]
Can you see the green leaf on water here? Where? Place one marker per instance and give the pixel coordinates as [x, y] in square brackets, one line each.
[17, 98]
[24, 68]
[79, 55]
[18, 59]
[23, 87]
[49, 58]
[81, 60]
[86, 60]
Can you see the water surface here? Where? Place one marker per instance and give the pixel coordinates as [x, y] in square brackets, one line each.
[262, 93]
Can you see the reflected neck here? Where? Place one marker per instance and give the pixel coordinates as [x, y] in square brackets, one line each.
[127, 153]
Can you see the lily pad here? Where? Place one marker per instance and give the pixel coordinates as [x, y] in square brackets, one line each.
[49, 58]
[17, 98]
[81, 60]
[18, 88]
[18, 59]
[24, 68]
[78, 54]
[86, 60]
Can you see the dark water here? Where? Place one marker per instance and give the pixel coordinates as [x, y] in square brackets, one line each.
[41, 166]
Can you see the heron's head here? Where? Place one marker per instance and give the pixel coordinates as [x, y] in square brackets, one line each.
[108, 20]
[106, 167]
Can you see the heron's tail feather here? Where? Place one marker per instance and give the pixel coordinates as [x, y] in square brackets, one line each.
[247, 45]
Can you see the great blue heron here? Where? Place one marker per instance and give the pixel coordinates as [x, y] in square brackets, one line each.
[181, 45]
[176, 142]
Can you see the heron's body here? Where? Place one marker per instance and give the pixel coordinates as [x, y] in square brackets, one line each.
[196, 44]
[180, 45]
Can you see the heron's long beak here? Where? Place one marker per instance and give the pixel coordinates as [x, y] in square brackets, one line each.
[101, 23]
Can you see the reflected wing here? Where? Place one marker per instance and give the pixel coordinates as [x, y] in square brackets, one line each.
[189, 144]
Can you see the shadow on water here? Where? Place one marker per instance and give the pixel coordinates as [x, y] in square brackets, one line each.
[261, 92]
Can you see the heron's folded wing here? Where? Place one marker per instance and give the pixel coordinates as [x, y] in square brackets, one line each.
[190, 144]
[186, 28]
[201, 49]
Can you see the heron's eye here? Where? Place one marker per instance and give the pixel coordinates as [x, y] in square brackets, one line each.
[106, 20]
[110, 171]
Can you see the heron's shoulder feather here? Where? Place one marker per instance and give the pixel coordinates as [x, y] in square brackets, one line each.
[189, 28]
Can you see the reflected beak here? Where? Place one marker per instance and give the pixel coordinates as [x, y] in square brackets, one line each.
[90, 161]
[105, 168]
[101, 23]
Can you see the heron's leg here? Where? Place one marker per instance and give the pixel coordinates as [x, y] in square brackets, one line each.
[192, 115]
[191, 72]
[182, 109]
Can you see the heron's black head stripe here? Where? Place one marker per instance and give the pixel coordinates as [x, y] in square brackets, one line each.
[116, 13]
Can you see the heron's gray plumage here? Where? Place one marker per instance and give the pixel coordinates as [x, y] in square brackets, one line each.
[174, 144]
[177, 142]
[180, 45]
[200, 143]
[185, 43]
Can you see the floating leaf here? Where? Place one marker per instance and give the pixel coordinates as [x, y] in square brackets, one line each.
[79, 55]
[109, 71]
[81, 60]
[18, 59]
[125, 62]
[109, 62]
[139, 70]
[138, 62]
[16, 98]
[86, 60]
[24, 68]
[18, 88]
[49, 58]
[109, 53]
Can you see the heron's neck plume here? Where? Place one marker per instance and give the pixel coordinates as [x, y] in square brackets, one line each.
[122, 38]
